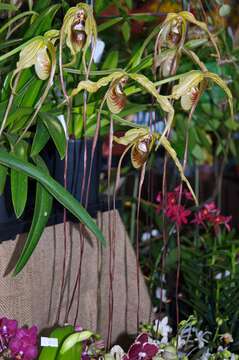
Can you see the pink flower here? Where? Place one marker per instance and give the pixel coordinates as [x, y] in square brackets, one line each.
[185, 193]
[201, 216]
[211, 207]
[141, 349]
[188, 195]
[159, 197]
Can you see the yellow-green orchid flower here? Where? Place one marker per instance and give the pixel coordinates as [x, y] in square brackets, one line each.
[79, 28]
[167, 60]
[189, 84]
[116, 98]
[119, 77]
[38, 53]
[141, 142]
[173, 31]
[172, 36]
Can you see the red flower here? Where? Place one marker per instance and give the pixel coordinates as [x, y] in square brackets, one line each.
[178, 213]
[185, 193]
[141, 349]
[211, 214]
[201, 216]
[219, 220]
[174, 211]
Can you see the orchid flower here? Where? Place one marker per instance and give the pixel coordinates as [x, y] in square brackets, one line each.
[141, 143]
[79, 28]
[188, 88]
[114, 95]
[161, 328]
[172, 36]
[173, 31]
[40, 53]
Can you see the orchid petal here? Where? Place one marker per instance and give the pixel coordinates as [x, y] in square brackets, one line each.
[42, 64]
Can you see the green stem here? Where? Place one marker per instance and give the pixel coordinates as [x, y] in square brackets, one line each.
[96, 72]
[133, 209]
[132, 90]
[197, 193]
[9, 105]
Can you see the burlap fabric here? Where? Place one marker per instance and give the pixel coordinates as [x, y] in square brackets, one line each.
[33, 296]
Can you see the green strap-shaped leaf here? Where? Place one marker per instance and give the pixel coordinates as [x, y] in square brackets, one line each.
[19, 180]
[8, 7]
[42, 211]
[43, 22]
[69, 349]
[109, 23]
[74, 353]
[111, 60]
[56, 131]
[16, 116]
[40, 139]
[3, 177]
[58, 191]
[60, 333]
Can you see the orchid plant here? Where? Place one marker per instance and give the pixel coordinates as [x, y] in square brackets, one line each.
[64, 49]
[36, 104]
[208, 263]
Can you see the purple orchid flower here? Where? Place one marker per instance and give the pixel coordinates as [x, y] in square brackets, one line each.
[8, 327]
[24, 344]
[141, 349]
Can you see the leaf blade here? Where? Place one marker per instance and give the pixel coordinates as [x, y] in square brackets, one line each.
[41, 214]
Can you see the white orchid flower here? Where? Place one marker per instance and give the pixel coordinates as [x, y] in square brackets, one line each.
[162, 328]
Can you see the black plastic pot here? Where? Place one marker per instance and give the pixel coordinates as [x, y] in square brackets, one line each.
[77, 183]
[10, 226]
